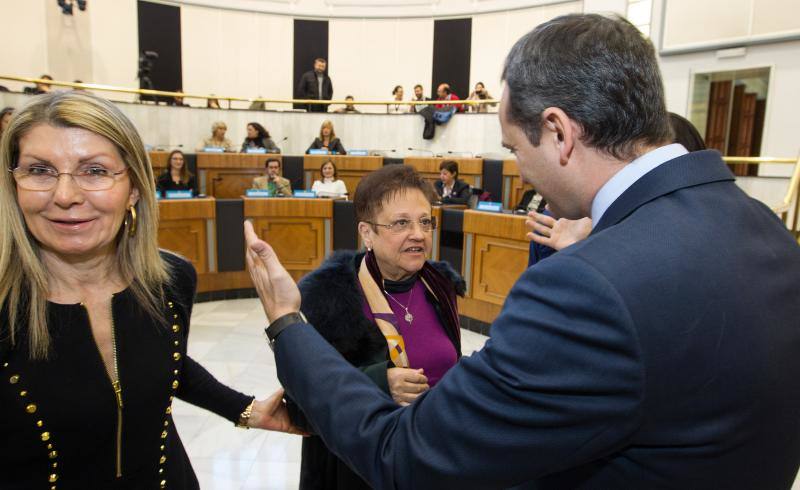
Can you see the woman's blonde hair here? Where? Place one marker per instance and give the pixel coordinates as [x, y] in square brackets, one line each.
[217, 125]
[24, 284]
[329, 124]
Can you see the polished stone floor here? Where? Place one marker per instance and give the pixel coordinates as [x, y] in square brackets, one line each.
[227, 338]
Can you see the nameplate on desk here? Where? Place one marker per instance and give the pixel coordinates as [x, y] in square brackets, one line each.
[178, 194]
[359, 153]
[214, 149]
[258, 151]
[301, 193]
[257, 193]
[318, 152]
[493, 207]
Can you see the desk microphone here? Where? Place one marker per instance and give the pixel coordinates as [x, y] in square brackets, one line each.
[422, 149]
[471, 155]
[379, 151]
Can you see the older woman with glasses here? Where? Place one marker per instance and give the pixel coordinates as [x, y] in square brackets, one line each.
[95, 319]
[394, 314]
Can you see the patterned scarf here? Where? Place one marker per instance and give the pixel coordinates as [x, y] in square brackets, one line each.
[369, 276]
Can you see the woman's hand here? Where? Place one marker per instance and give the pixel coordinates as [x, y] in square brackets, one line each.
[276, 288]
[557, 234]
[271, 414]
[406, 385]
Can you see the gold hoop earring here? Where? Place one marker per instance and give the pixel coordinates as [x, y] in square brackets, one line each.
[131, 225]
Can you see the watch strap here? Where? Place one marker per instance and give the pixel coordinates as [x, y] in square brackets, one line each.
[279, 325]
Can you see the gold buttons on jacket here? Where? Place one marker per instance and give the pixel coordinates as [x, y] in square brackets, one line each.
[162, 460]
[163, 484]
[176, 328]
[175, 385]
[176, 356]
[45, 436]
[52, 454]
[31, 408]
[53, 478]
[14, 379]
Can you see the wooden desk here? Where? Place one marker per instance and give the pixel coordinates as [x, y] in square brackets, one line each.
[158, 160]
[299, 230]
[228, 175]
[186, 226]
[470, 170]
[351, 169]
[513, 187]
[495, 254]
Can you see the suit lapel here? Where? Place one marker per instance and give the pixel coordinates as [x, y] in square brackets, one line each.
[697, 168]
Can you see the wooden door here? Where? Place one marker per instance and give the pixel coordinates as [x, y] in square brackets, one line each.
[740, 138]
[719, 102]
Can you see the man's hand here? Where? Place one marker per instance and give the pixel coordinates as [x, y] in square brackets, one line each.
[557, 234]
[271, 414]
[276, 288]
[406, 385]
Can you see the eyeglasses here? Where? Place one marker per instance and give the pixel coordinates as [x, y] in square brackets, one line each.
[43, 178]
[403, 225]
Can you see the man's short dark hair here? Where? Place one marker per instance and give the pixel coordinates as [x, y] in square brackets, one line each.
[273, 159]
[449, 165]
[418, 86]
[316, 60]
[383, 184]
[600, 71]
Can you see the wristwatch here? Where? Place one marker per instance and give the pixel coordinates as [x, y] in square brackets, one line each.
[275, 328]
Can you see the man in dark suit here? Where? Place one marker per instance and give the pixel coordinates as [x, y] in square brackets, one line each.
[316, 84]
[663, 351]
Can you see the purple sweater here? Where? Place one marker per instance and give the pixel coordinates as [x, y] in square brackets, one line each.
[427, 344]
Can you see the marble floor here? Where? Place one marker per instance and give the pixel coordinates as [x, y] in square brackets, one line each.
[227, 338]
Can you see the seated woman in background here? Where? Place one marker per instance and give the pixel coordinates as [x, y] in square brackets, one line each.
[327, 140]
[450, 188]
[217, 139]
[212, 104]
[94, 318]
[389, 292]
[397, 108]
[177, 176]
[258, 137]
[329, 185]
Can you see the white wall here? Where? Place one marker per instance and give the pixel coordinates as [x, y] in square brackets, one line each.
[18, 58]
[115, 44]
[493, 35]
[369, 57]
[233, 53]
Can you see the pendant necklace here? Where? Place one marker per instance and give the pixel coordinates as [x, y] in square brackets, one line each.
[408, 316]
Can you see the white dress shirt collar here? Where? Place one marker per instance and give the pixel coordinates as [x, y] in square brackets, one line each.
[629, 174]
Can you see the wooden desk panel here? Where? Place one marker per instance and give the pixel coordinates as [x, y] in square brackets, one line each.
[299, 230]
[513, 187]
[158, 160]
[470, 170]
[231, 183]
[183, 229]
[229, 175]
[495, 254]
[351, 169]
